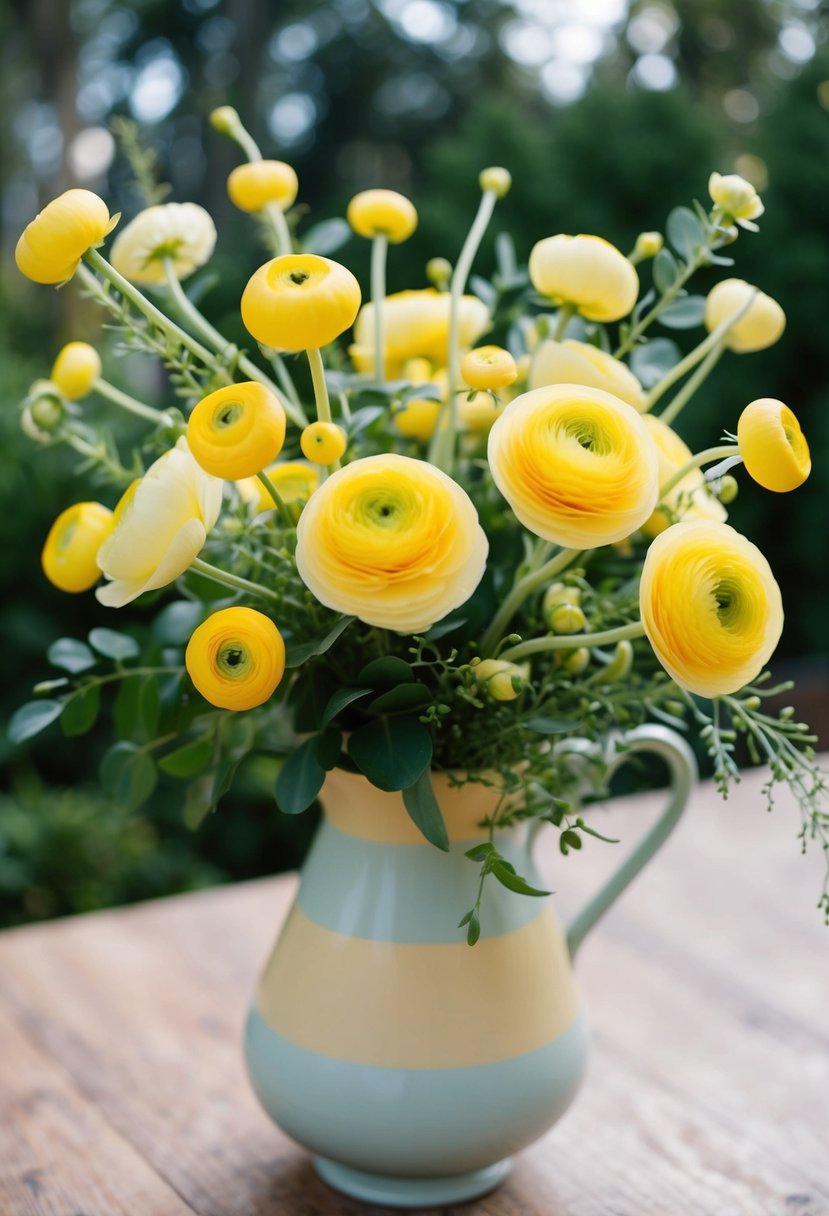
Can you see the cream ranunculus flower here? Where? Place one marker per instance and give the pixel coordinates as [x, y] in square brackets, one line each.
[393, 541]
[736, 198]
[577, 465]
[710, 607]
[572, 362]
[161, 525]
[182, 232]
[760, 326]
[416, 325]
[689, 498]
[586, 272]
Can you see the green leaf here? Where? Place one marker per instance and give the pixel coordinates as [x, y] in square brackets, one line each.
[684, 313]
[685, 232]
[404, 696]
[649, 363]
[176, 622]
[329, 747]
[300, 779]
[512, 881]
[149, 706]
[569, 840]
[198, 802]
[549, 726]
[114, 645]
[338, 701]
[473, 931]
[309, 696]
[391, 752]
[81, 710]
[665, 270]
[32, 718]
[386, 672]
[299, 654]
[128, 775]
[480, 852]
[327, 237]
[71, 654]
[424, 811]
[189, 760]
[127, 708]
[447, 625]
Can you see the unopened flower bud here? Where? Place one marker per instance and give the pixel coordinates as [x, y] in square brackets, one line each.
[224, 119]
[555, 595]
[439, 272]
[502, 680]
[620, 664]
[727, 489]
[647, 245]
[496, 179]
[568, 618]
[576, 661]
[44, 409]
[752, 703]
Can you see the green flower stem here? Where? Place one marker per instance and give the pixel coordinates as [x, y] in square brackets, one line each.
[284, 377]
[281, 505]
[321, 398]
[94, 259]
[572, 641]
[125, 401]
[442, 447]
[565, 315]
[714, 342]
[520, 592]
[98, 455]
[661, 304]
[224, 349]
[379, 248]
[235, 581]
[245, 140]
[678, 403]
[706, 457]
[275, 216]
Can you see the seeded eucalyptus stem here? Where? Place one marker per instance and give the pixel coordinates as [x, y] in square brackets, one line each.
[379, 248]
[281, 505]
[126, 402]
[442, 448]
[520, 592]
[696, 462]
[235, 581]
[572, 641]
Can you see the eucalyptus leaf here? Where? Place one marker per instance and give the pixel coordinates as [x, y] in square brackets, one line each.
[391, 752]
[114, 645]
[548, 726]
[447, 625]
[300, 779]
[649, 363]
[685, 232]
[81, 710]
[402, 697]
[684, 313]
[299, 654]
[386, 672]
[128, 775]
[339, 700]
[513, 882]
[189, 760]
[71, 654]
[175, 622]
[665, 270]
[424, 811]
[327, 237]
[32, 718]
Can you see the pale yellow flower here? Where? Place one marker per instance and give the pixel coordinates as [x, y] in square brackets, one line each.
[76, 369]
[586, 272]
[393, 541]
[416, 325]
[182, 232]
[161, 525]
[577, 465]
[710, 607]
[736, 198]
[53, 244]
[760, 326]
[689, 498]
[571, 362]
[772, 445]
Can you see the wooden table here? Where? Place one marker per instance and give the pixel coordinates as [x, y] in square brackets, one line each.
[122, 1089]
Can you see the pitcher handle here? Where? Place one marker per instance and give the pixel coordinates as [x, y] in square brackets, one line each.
[682, 767]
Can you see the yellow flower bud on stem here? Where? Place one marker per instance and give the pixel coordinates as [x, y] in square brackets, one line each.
[281, 505]
[439, 272]
[321, 398]
[227, 121]
[574, 640]
[523, 588]
[125, 402]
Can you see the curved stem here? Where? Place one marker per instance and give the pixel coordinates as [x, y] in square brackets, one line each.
[522, 589]
[713, 343]
[285, 381]
[706, 457]
[281, 505]
[565, 315]
[321, 396]
[442, 448]
[276, 218]
[235, 581]
[115, 469]
[125, 401]
[662, 303]
[572, 641]
[678, 403]
[379, 247]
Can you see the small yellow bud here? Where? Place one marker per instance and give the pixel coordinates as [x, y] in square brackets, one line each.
[568, 618]
[477, 411]
[439, 272]
[503, 681]
[556, 595]
[76, 369]
[225, 120]
[497, 179]
[576, 661]
[620, 664]
[323, 442]
[385, 213]
[488, 367]
[728, 489]
[44, 408]
[252, 186]
[647, 245]
[418, 418]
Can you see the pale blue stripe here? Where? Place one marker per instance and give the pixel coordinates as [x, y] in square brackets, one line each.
[409, 1121]
[409, 893]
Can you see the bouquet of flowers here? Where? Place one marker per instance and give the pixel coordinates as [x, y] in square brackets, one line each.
[452, 558]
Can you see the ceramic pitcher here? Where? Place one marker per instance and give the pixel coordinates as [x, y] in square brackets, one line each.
[409, 1063]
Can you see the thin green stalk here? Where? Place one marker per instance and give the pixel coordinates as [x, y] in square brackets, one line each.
[321, 398]
[678, 403]
[281, 505]
[125, 401]
[379, 248]
[114, 467]
[235, 581]
[696, 462]
[276, 217]
[565, 315]
[285, 379]
[571, 641]
[520, 592]
[661, 304]
[714, 340]
[442, 448]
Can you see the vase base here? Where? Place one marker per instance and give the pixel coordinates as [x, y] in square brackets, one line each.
[411, 1192]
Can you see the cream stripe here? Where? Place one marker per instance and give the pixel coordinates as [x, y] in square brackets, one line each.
[418, 1006]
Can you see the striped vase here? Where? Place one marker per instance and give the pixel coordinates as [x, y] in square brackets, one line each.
[410, 1064]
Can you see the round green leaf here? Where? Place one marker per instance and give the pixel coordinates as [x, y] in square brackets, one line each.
[71, 654]
[32, 718]
[391, 752]
[114, 645]
[81, 710]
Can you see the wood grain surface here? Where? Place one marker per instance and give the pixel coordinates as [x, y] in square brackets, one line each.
[122, 1089]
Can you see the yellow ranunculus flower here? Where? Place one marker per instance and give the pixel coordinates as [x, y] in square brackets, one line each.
[161, 525]
[571, 362]
[577, 465]
[182, 232]
[587, 272]
[710, 607]
[416, 326]
[477, 413]
[393, 541]
[489, 367]
[54, 242]
[689, 498]
[294, 481]
[772, 445]
[736, 198]
[69, 557]
[300, 301]
[382, 213]
[76, 369]
[236, 658]
[237, 430]
[760, 326]
[251, 186]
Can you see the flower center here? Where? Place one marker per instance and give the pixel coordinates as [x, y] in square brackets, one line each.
[226, 414]
[298, 277]
[233, 661]
[730, 605]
